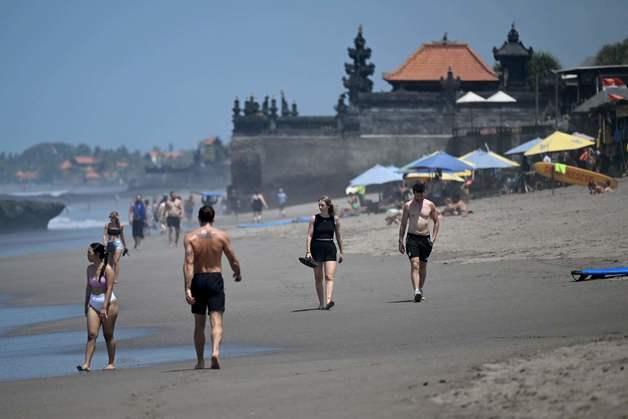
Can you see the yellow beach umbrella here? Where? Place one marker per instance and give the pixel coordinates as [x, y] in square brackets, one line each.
[559, 141]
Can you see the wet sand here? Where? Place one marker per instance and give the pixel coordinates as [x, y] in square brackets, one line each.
[504, 332]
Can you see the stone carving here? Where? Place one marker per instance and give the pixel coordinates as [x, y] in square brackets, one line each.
[285, 110]
[341, 107]
[294, 111]
[273, 108]
[450, 86]
[236, 108]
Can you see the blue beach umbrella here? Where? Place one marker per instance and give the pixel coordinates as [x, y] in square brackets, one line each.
[522, 148]
[438, 161]
[377, 175]
[481, 159]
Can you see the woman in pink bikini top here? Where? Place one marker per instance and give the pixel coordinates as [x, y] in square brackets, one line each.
[101, 305]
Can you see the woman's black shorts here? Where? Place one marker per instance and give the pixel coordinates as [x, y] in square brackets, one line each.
[418, 246]
[323, 250]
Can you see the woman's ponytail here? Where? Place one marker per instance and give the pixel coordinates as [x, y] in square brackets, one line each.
[101, 251]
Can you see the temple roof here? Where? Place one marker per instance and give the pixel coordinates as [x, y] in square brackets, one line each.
[431, 61]
[512, 47]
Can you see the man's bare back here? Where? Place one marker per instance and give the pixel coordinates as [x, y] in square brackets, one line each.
[207, 245]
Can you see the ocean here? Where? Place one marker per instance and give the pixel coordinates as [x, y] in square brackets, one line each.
[80, 223]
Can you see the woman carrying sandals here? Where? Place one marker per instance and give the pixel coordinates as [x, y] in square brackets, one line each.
[320, 247]
[116, 244]
[101, 305]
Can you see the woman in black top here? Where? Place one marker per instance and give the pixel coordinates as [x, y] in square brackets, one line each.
[115, 243]
[320, 247]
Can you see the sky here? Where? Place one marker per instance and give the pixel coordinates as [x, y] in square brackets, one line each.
[144, 73]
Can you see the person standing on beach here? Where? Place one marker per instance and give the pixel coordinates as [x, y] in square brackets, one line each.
[258, 203]
[174, 213]
[113, 238]
[101, 306]
[188, 208]
[203, 282]
[415, 216]
[137, 216]
[320, 247]
[282, 198]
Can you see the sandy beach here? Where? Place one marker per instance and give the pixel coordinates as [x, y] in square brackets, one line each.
[504, 331]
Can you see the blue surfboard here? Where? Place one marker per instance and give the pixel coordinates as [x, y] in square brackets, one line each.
[582, 274]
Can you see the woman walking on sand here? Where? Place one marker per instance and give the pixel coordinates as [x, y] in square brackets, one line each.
[320, 247]
[101, 305]
[116, 244]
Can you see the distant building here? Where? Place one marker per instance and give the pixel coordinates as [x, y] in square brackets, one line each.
[26, 175]
[84, 161]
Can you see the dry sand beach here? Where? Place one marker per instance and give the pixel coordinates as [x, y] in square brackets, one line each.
[504, 331]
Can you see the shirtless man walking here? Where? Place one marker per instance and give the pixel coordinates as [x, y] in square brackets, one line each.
[416, 214]
[174, 213]
[204, 287]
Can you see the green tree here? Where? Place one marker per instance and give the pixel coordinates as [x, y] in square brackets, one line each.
[613, 54]
[541, 63]
[83, 150]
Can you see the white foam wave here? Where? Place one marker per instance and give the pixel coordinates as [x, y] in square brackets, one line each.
[65, 223]
[28, 194]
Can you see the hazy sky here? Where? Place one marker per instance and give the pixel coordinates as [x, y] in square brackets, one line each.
[154, 72]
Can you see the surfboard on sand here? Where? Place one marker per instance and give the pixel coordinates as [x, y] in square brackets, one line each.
[580, 275]
[573, 175]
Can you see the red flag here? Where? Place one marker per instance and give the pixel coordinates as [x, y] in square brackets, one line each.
[612, 82]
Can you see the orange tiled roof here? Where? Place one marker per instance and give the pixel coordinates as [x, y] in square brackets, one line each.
[431, 61]
[84, 160]
[91, 175]
[26, 175]
[66, 165]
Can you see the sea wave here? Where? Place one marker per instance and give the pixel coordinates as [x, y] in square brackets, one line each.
[66, 223]
[28, 194]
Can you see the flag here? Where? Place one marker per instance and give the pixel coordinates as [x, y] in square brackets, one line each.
[612, 82]
[615, 97]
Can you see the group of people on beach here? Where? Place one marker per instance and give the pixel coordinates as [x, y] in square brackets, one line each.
[202, 270]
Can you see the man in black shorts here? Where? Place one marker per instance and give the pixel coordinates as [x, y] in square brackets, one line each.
[204, 287]
[415, 215]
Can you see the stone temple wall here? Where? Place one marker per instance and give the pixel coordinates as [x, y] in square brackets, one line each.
[310, 166]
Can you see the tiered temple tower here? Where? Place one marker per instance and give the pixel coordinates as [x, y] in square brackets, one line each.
[513, 58]
[359, 71]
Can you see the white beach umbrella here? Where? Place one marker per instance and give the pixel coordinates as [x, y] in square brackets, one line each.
[471, 97]
[501, 97]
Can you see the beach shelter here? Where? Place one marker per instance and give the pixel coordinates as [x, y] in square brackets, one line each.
[522, 148]
[470, 97]
[437, 161]
[501, 97]
[559, 141]
[377, 175]
[481, 159]
[602, 98]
